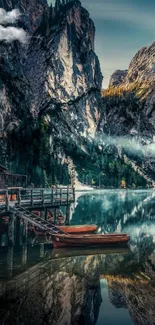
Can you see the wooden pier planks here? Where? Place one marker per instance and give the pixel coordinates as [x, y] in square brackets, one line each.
[33, 198]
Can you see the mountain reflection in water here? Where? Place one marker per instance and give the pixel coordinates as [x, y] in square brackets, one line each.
[87, 287]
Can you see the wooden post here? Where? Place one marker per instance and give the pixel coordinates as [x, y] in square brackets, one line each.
[24, 254]
[42, 214]
[10, 262]
[68, 215]
[19, 197]
[18, 230]
[11, 230]
[7, 200]
[55, 215]
[67, 194]
[56, 193]
[43, 198]
[52, 192]
[25, 231]
[46, 215]
[60, 195]
[26, 182]
[31, 197]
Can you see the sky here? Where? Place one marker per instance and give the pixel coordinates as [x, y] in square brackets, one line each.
[122, 28]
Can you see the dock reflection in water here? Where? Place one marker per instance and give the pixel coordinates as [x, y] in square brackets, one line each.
[86, 287]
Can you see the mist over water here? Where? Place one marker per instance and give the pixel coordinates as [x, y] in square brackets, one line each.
[132, 144]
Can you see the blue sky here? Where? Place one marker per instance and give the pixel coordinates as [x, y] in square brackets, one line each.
[122, 28]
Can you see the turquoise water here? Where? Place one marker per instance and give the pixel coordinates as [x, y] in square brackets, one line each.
[39, 285]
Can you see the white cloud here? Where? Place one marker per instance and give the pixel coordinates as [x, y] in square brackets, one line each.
[9, 17]
[10, 33]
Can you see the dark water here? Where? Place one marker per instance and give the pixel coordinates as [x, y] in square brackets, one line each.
[86, 287]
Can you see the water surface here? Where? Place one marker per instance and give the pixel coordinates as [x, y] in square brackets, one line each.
[39, 285]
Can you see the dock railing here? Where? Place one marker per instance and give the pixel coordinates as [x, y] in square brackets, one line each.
[36, 197]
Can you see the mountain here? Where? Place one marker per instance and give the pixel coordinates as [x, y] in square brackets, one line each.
[52, 115]
[129, 111]
[50, 89]
[31, 12]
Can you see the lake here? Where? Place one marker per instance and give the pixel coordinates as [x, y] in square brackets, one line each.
[39, 285]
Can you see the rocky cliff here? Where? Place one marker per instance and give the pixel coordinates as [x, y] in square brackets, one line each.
[129, 111]
[50, 86]
[51, 112]
[118, 77]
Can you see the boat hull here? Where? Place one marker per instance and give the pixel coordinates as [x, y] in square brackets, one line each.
[60, 241]
[88, 251]
[85, 229]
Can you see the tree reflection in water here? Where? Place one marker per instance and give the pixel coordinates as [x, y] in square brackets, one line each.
[67, 290]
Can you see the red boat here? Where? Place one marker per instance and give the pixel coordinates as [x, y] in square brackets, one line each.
[84, 229]
[62, 240]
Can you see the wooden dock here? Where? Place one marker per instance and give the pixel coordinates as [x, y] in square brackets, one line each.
[36, 198]
[21, 203]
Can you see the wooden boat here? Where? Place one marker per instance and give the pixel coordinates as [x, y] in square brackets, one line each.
[84, 229]
[63, 240]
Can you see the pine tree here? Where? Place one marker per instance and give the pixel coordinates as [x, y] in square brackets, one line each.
[57, 5]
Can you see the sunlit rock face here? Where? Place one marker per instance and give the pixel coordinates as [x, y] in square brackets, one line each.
[141, 76]
[136, 84]
[129, 108]
[141, 72]
[118, 77]
[56, 74]
[63, 70]
[142, 66]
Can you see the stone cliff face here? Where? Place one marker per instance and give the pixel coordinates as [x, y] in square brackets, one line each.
[51, 86]
[118, 77]
[66, 75]
[129, 109]
[136, 83]
[50, 109]
[32, 12]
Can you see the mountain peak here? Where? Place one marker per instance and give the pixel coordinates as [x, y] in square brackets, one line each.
[118, 77]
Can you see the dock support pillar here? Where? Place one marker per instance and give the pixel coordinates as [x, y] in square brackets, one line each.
[42, 214]
[11, 230]
[18, 230]
[68, 215]
[46, 213]
[25, 231]
[24, 254]
[10, 261]
[55, 215]
[24, 242]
